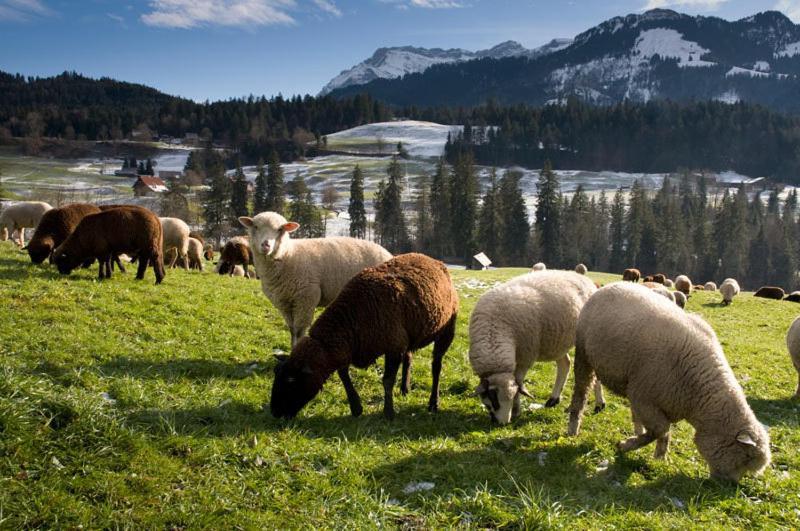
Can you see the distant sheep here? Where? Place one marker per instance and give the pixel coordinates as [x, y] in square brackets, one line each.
[539, 266]
[729, 289]
[581, 269]
[657, 278]
[176, 234]
[236, 251]
[631, 275]
[530, 318]
[710, 286]
[20, 216]
[195, 254]
[108, 234]
[793, 297]
[208, 252]
[54, 227]
[197, 235]
[673, 369]
[390, 310]
[680, 298]
[698, 287]
[683, 284]
[770, 292]
[669, 283]
[793, 342]
[298, 276]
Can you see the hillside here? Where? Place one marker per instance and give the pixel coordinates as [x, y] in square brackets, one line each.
[660, 54]
[141, 405]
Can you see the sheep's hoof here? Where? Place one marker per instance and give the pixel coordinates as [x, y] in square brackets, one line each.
[599, 407]
[552, 402]
[627, 445]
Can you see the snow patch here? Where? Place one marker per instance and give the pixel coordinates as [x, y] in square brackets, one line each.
[790, 50]
[731, 97]
[762, 66]
[420, 139]
[737, 71]
[670, 43]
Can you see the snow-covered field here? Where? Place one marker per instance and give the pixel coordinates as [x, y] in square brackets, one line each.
[421, 139]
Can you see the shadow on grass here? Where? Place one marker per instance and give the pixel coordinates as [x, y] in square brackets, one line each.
[181, 368]
[777, 411]
[549, 474]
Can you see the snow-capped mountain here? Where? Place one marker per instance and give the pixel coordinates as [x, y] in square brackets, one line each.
[392, 63]
[656, 54]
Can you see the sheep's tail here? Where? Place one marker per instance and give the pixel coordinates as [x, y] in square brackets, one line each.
[584, 379]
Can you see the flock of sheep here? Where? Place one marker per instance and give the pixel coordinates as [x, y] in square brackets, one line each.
[379, 305]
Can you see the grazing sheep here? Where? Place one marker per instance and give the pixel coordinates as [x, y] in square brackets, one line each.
[698, 287]
[793, 297]
[300, 275]
[680, 298]
[729, 289]
[392, 310]
[671, 370]
[770, 292]
[236, 251]
[581, 269]
[539, 266]
[176, 234]
[195, 254]
[107, 234]
[19, 216]
[54, 227]
[631, 275]
[669, 283]
[710, 286]
[208, 252]
[682, 283]
[527, 319]
[658, 278]
[793, 342]
[197, 235]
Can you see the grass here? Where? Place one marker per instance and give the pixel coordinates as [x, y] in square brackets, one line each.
[124, 404]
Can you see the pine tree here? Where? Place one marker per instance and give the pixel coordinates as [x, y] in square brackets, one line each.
[260, 196]
[356, 209]
[464, 192]
[424, 224]
[140, 169]
[303, 210]
[149, 167]
[390, 223]
[239, 195]
[489, 222]
[548, 222]
[576, 229]
[617, 233]
[216, 207]
[599, 245]
[276, 196]
[513, 220]
[441, 244]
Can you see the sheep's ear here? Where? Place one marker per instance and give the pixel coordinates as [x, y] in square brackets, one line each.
[746, 438]
[290, 226]
[246, 221]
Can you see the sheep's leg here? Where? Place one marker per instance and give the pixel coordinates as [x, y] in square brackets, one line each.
[656, 427]
[158, 266]
[638, 429]
[108, 266]
[144, 261]
[562, 372]
[440, 346]
[185, 261]
[584, 378]
[390, 368]
[405, 381]
[599, 400]
[119, 264]
[797, 393]
[21, 233]
[352, 395]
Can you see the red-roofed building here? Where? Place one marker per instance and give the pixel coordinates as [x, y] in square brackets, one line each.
[146, 185]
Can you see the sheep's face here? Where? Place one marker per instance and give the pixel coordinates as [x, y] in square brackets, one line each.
[730, 457]
[66, 263]
[296, 383]
[39, 251]
[498, 392]
[267, 230]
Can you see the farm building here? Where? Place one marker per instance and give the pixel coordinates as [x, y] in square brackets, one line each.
[146, 185]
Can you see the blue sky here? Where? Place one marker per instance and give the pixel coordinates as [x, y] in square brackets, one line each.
[216, 49]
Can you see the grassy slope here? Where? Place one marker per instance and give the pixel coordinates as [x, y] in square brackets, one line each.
[187, 444]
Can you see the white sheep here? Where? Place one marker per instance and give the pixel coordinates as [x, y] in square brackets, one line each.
[710, 286]
[298, 276]
[729, 289]
[176, 234]
[671, 370]
[664, 292]
[539, 266]
[793, 342]
[684, 284]
[20, 216]
[195, 254]
[669, 283]
[581, 269]
[527, 319]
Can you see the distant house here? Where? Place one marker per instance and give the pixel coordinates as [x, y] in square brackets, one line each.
[170, 175]
[146, 185]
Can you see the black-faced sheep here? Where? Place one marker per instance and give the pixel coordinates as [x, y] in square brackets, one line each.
[55, 226]
[105, 235]
[770, 292]
[19, 216]
[673, 369]
[390, 310]
[530, 318]
[298, 276]
[631, 275]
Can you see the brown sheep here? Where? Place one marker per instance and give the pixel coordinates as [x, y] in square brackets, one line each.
[235, 252]
[631, 275]
[208, 252]
[392, 309]
[770, 292]
[195, 254]
[699, 287]
[683, 284]
[130, 230]
[657, 278]
[55, 226]
[197, 235]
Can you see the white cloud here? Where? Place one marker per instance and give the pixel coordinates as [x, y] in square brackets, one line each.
[195, 13]
[329, 7]
[436, 4]
[21, 10]
[791, 8]
[708, 5]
